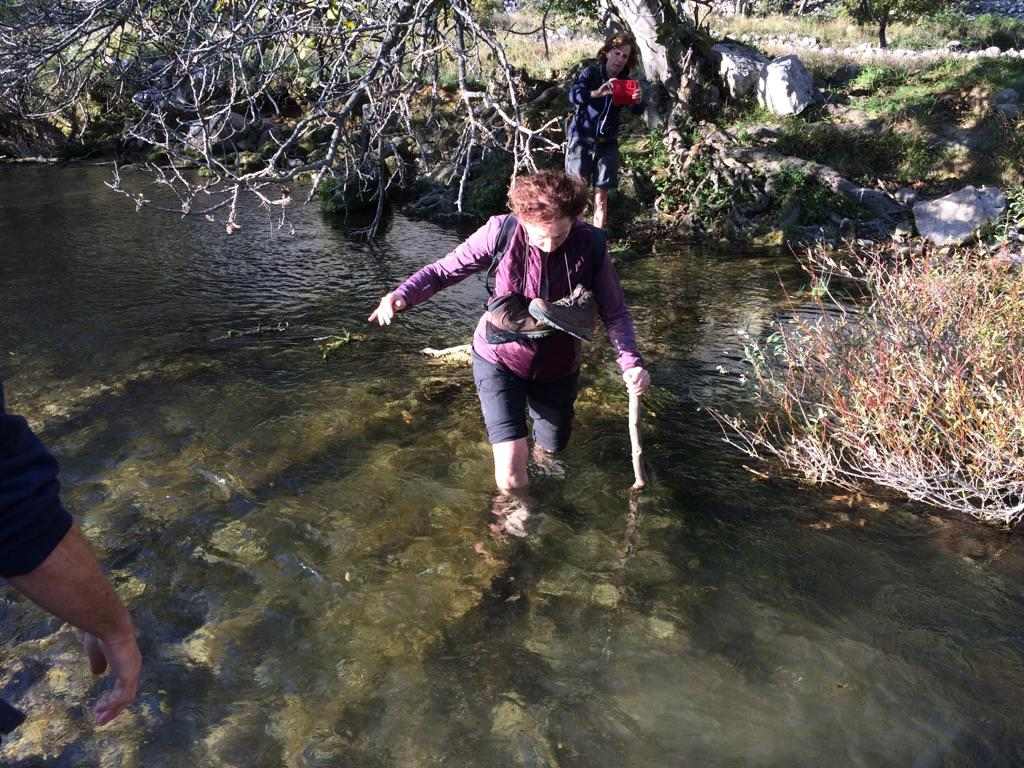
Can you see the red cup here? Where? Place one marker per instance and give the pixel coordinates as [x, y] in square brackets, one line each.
[622, 92]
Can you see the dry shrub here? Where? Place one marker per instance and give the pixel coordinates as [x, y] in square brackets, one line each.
[915, 384]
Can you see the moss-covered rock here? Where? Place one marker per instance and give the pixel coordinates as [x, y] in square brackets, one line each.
[24, 137]
[352, 194]
[487, 188]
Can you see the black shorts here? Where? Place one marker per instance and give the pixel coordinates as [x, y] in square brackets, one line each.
[597, 164]
[504, 399]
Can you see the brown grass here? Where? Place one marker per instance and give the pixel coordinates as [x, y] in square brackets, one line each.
[918, 388]
[527, 51]
[839, 32]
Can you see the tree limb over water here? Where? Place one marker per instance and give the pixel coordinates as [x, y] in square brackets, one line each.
[345, 89]
[361, 80]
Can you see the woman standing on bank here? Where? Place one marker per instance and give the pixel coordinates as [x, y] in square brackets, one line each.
[519, 363]
[592, 151]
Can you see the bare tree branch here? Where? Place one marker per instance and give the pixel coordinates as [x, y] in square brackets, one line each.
[345, 89]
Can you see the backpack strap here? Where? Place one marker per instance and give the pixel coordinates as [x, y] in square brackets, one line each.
[508, 226]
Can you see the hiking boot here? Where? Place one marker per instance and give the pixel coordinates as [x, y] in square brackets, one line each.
[546, 463]
[508, 319]
[511, 514]
[574, 314]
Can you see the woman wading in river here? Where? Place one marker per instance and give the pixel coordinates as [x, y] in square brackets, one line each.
[551, 272]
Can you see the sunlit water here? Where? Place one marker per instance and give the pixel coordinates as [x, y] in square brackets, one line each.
[305, 545]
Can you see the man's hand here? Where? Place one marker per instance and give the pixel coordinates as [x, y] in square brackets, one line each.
[121, 655]
[385, 311]
[604, 90]
[70, 585]
[637, 380]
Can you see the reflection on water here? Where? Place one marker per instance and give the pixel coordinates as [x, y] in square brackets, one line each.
[306, 543]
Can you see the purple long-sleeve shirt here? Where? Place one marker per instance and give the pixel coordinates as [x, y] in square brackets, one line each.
[581, 260]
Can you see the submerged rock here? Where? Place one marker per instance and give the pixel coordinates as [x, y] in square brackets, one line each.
[242, 733]
[660, 628]
[563, 581]
[240, 543]
[592, 550]
[26, 137]
[606, 595]
[513, 723]
[48, 732]
[509, 717]
[648, 568]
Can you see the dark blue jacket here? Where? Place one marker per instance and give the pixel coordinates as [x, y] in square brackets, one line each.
[32, 519]
[594, 119]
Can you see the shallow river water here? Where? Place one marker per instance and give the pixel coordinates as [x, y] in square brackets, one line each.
[304, 540]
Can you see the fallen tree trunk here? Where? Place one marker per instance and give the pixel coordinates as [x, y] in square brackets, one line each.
[875, 200]
[756, 161]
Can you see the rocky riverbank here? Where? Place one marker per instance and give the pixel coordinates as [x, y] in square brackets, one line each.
[828, 8]
[1013, 8]
[954, 50]
[812, 143]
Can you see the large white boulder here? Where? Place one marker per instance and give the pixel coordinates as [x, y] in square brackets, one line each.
[786, 87]
[955, 218]
[740, 68]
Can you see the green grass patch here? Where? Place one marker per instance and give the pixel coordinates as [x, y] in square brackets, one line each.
[973, 31]
[817, 203]
[487, 189]
[1013, 217]
[874, 78]
[918, 94]
[932, 31]
[743, 115]
[860, 155]
[695, 195]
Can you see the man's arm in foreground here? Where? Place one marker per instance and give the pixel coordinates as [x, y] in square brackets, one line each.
[70, 584]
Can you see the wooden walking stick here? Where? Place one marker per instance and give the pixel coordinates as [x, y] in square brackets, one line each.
[640, 478]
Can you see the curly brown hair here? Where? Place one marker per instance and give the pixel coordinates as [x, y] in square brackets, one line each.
[545, 196]
[616, 40]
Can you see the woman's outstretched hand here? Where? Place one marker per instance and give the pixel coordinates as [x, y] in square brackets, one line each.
[385, 311]
[605, 89]
[637, 380]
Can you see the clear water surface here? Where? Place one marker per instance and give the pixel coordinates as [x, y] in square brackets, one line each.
[305, 545]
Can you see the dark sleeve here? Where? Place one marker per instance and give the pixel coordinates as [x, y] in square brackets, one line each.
[32, 519]
[579, 94]
[611, 306]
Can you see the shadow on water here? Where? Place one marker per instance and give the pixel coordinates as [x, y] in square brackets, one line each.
[305, 542]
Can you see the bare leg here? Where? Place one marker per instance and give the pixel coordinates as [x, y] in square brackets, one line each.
[600, 207]
[510, 508]
[510, 458]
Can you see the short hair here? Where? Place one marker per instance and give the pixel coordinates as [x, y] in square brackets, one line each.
[545, 196]
[616, 40]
